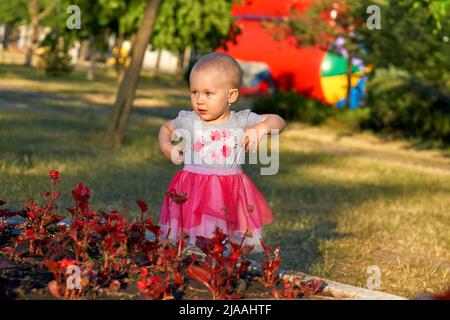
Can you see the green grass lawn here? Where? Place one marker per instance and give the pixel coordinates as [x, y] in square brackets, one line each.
[342, 202]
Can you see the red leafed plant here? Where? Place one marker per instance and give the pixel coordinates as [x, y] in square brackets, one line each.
[153, 287]
[112, 245]
[2, 223]
[36, 231]
[72, 280]
[108, 251]
[225, 262]
[270, 265]
[178, 198]
[164, 277]
[295, 288]
[292, 289]
[437, 296]
[137, 240]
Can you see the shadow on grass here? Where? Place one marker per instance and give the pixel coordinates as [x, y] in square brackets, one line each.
[308, 208]
[30, 73]
[45, 136]
[25, 101]
[103, 75]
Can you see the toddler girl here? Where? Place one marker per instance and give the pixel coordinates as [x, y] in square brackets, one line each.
[215, 139]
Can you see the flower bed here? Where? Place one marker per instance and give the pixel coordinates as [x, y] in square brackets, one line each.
[102, 255]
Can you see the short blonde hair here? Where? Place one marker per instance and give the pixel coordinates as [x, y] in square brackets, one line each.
[222, 61]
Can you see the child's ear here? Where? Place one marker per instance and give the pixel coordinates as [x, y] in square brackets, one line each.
[233, 94]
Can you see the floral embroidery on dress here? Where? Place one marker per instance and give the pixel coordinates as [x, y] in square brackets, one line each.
[198, 145]
[226, 151]
[215, 135]
[215, 157]
[214, 145]
[225, 133]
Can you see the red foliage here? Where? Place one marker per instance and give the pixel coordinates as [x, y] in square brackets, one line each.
[440, 296]
[143, 205]
[55, 176]
[154, 287]
[70, 284]
[177, 197]
[107, 248]
[270, 265]
[39, 219]
[224, 264]
[80, 193]
[295, 288]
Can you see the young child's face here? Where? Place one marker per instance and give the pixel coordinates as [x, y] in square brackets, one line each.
[211, 93]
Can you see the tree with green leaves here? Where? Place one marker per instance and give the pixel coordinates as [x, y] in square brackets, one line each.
[123, 18]
[12, 13]
[32, 12]
[38, 10]
[95, 28]
[438, 9]
[413, 37]
[200, 25]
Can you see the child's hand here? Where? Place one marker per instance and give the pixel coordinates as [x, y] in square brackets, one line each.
[252, 137]
[177, 153]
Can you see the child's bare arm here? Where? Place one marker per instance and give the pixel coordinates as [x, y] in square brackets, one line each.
[271, 122]
[164, 139]
[254, 134]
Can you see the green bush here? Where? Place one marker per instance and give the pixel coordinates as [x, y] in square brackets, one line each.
[396, 103]
[292, 106]
[405, 106]
[55, 63]
[353, 120]
[54, 57]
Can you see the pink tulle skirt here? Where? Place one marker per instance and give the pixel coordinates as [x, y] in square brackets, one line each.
[225, 198]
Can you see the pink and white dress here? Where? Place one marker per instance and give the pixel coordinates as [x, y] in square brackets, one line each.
[217, 191]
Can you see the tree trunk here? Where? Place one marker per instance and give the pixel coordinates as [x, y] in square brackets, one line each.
[31, 43]
[187, 57]
[35, 18]
[158, 62]
[180, 62]
[119, 44]
[91, 68]
[128, 85]
[349, 82]
[83, 50]
[5, 37]
[104, 45]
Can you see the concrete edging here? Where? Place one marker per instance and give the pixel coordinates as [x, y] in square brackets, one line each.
[344, 291]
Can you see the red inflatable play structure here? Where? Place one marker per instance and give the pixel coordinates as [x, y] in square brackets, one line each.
[271, 64]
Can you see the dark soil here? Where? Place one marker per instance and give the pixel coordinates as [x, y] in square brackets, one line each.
[27, 280]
